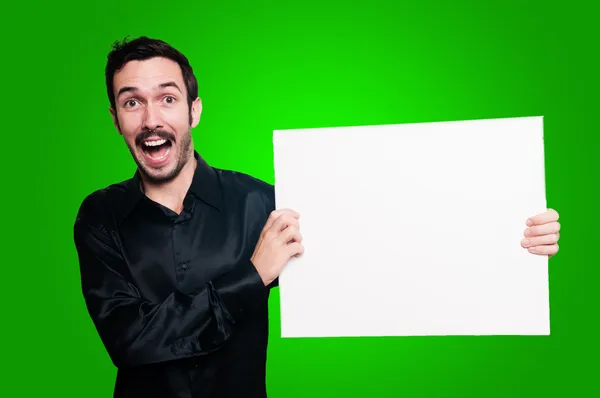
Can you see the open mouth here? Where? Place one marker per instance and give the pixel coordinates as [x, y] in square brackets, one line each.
[156, 149]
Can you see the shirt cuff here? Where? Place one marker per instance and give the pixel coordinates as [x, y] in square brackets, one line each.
[241, 290]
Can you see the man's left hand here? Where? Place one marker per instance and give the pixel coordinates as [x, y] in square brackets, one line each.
[541, 234]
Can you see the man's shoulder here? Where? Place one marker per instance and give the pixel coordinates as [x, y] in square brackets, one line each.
[99, 206]
[245, 184]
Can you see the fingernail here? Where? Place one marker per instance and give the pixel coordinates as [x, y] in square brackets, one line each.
[532, 249]
[529, 223]
[526, 242]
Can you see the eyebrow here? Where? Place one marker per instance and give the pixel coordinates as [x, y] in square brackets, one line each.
[132, 89]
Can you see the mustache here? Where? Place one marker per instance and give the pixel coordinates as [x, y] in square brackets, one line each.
[145, 134]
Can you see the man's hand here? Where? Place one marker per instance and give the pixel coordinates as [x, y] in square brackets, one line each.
[279, 241]
[541, 236]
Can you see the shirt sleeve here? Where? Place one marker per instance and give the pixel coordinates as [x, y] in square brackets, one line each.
[136, 331]
[269, 207]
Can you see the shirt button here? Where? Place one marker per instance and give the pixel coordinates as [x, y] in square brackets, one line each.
[184, 266]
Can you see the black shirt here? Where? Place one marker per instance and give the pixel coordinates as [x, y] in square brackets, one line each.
[177, 303]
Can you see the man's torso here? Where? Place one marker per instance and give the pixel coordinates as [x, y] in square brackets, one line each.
[166, 252]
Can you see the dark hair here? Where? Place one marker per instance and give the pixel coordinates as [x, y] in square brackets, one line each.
[144, 48]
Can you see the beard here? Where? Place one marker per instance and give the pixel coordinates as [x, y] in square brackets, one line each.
[164, 174]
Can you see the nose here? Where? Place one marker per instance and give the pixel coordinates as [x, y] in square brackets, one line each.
[152, 120]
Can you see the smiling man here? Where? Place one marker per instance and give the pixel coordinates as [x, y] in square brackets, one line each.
[177, 262]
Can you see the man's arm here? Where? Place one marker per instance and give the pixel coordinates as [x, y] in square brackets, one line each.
[269, 207]
[136, 331]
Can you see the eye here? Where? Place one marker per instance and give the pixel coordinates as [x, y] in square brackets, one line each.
[169, 99]
[129, 103]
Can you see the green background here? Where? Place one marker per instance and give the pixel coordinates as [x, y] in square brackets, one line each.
[289, 65]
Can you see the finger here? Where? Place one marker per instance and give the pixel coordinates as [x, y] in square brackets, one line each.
[295, 249]
[275, 214]
[283, 221]
[546, 217]
[544, 229]
[290, 234]
[546, 250]
[550, 239]
[272, 217]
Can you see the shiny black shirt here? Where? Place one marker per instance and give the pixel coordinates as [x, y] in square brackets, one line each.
[176, 301]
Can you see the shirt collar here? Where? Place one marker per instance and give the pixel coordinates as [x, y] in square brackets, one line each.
[205, 185]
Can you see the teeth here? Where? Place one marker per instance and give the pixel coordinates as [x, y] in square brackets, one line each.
[154, 143]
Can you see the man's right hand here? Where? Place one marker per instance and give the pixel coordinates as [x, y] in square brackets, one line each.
[279, 241]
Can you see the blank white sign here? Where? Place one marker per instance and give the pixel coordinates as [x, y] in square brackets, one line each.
[413, 230]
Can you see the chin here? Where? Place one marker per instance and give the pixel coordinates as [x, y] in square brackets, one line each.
[160, 176]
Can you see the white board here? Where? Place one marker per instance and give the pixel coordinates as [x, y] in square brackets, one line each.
[413, 230]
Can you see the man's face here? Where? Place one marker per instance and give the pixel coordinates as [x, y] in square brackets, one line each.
[154, 117]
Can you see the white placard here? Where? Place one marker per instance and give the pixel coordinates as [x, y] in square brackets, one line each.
[413, 230]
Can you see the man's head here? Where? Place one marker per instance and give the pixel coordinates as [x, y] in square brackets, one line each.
[154, 102]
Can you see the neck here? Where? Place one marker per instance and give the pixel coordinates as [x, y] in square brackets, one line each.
[171, 194]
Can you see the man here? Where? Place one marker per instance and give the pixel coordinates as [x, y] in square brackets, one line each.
[178, 261]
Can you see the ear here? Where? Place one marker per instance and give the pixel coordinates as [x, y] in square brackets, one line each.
[196, 111]
[115, 119]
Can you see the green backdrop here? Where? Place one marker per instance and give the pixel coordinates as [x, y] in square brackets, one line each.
[270, 65]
